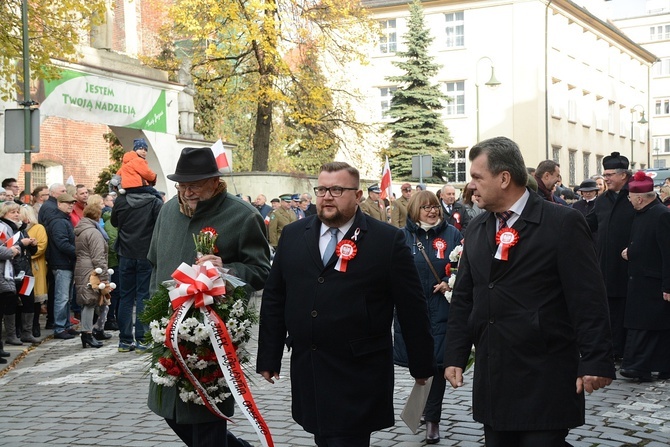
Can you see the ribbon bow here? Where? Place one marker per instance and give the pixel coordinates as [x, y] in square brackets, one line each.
[197, 282]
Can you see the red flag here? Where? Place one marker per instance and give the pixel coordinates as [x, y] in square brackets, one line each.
[15, 239]
[386, 182]
[220, 155]
[27, 285]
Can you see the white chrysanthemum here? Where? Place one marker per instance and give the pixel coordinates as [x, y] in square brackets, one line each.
[237, 309]
[447, 295]
[452, 281]
[201, 364]
[455, 254]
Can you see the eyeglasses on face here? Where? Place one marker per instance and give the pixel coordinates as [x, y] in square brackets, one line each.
[429, 208]
[335, 191]
[196, 188]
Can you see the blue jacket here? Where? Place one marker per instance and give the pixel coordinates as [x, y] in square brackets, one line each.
[438, 306]
[60, 250]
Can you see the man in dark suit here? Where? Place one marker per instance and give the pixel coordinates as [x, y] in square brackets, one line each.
[647, 317]
[311, 208]
[454, 212]
[336, 314]
[540, 331]
[612, 218]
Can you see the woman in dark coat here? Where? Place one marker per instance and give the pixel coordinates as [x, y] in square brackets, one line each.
[426, 228]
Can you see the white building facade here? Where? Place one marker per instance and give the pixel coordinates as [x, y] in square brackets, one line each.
[572, 87]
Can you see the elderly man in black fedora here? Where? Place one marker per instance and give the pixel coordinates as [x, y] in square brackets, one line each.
[203, 201]
[588, 189]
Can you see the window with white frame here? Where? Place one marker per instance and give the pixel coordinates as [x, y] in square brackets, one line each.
[662, 144]
[455, 91]
[662, 67]
[586, 159]
[599, 164]
[662, 106]
[612, 115]
[385, 95]
[456, 170]
[659, 32]
[556, 154]
[455, 29]
[572, 168]
[388, 41]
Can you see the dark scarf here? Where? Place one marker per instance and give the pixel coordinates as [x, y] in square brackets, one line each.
[222, 188]
[543, 189]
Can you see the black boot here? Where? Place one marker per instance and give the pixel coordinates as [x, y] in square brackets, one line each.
[101, 335]
[36, 320]
[87, 339]
[3, 353]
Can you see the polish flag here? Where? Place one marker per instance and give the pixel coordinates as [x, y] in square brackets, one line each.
[3, 237]
[221, 156]
[14, 240]
[27, 285]
[267, 220]
[385, 184]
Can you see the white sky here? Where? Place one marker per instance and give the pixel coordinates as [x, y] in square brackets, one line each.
[627, 8]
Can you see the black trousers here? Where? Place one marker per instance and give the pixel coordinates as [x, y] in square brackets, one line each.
[433, 410]
[343, 441]
[647, 351]
[209, 434]
[617, 307]
[536, 438]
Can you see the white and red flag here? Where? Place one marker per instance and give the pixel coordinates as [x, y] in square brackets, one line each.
[27, 285]
[386, 184]
[14, 240]
[221, 155]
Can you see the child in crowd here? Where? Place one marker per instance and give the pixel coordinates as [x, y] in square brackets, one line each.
[136, 175]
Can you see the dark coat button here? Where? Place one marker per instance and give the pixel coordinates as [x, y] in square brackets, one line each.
[320, 280]
[491, 285]
[314, 313]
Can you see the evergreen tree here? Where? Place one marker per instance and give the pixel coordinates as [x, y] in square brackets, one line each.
[115, 157]
[417, 127]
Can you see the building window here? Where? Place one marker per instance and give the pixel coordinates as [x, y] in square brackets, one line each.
[572, 168]
[612, 115]
[456, 169]
[389, 38]
[662, 67]
[556, 154]
[662, 144]
[586, 160]
[385, 94]
[599, 165]
[455, 29]
[456, 91]
[659, 32]
[662, 106]
[38, 176]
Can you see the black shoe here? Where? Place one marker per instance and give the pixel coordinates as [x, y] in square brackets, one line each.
[65, 335]
[36, 331]
[111, 325]
[87, 339]
[3, 361]
[101, 335]
[3, 353]
[663, 376]
[633, 374]
[73, 331]
[432, 432]
[49, 325]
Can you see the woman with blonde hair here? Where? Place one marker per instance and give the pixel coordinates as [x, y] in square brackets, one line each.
[600, 181]
[664, 195]
[91, 250]
[39, 264]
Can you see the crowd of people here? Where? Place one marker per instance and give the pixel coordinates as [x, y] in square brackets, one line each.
[358, 284]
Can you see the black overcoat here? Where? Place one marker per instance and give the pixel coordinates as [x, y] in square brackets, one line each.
[530, 318]
[338, 325]
[612, 218]
[649, 269]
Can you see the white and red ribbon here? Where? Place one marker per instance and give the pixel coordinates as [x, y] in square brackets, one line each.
[505, 238]
[199, 285]
[440, 245]
[346, 251]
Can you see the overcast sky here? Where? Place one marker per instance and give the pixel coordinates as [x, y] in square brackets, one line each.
[627, 8]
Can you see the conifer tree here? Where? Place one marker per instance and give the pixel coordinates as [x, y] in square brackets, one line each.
[417, 127]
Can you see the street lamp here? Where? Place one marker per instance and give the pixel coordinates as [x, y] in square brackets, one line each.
[656, 151]
[492, 82]
[642, 121]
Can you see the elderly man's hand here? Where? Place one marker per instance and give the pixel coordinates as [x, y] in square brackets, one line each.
[592, 383]
[215, 260]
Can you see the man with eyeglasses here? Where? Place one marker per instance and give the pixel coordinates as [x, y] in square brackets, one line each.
[372, 206]
[612, 218]
[134, 215]
[399, 206]
[279, 218]
[334, 284]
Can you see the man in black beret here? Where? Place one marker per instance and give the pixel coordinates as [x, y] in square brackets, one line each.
[612, 218]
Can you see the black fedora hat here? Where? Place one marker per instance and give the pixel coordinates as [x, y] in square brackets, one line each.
[195, 163]
[588, 185]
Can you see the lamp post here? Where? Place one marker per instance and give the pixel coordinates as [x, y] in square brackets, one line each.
[641, 121]
[492, 82]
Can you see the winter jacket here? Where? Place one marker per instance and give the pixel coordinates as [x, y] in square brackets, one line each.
[113, 233]
[135, 171]
[60, 251]
[6, 255]
[39, 261]
[438, 306]
[134, 215]
[91, 249]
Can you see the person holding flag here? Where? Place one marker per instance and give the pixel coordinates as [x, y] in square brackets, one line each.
[17, 270]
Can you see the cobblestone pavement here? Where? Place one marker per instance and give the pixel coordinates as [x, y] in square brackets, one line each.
[58, 394]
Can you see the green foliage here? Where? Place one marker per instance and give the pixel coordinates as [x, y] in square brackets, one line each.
[116, 156]
[417, 127]
[55, 29]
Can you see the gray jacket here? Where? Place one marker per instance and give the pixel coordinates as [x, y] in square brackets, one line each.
[6, 255]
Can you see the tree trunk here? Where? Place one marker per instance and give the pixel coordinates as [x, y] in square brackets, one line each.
[262, 136]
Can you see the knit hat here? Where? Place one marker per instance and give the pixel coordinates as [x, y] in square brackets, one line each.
[640, 183]
[615, 161]
[139, 143]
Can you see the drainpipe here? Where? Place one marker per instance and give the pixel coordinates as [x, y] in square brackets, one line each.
[546, 80]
